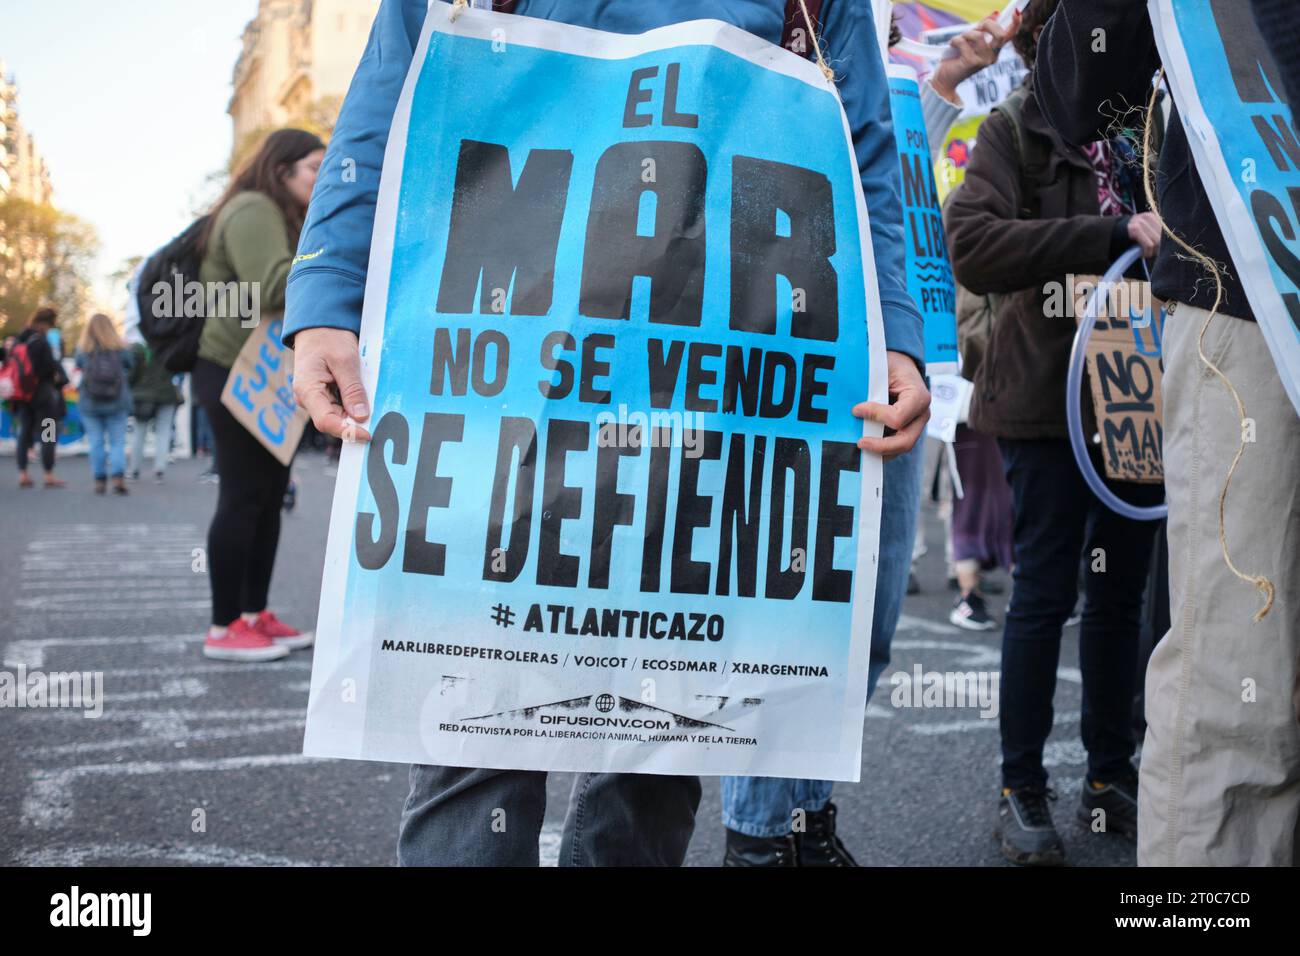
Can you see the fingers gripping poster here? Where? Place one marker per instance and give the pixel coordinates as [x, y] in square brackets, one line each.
[621, 303]
[1244, 139]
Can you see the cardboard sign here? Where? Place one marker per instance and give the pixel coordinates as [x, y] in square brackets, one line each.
[259, 392]
[613, 516]
[1244, 140]
[1124, 368]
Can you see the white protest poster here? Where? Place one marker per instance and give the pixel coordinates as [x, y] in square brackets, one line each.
[613, 517]
[1246, 148]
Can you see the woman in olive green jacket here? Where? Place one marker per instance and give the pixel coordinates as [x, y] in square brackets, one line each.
[249, 241]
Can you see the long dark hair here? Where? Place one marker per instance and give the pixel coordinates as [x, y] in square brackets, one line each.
[264, 172]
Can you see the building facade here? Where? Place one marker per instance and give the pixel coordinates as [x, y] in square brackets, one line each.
[298, 59]
[23, 173]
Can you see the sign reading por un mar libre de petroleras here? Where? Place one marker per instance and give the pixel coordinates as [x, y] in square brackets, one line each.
[613, 516]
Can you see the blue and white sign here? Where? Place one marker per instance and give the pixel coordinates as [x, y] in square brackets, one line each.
[1245, 143]
[613, 517]
[929, 273]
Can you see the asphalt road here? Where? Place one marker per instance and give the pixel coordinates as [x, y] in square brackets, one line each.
[199, 762]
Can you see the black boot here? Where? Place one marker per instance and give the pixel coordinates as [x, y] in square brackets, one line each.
[745, 850]
[818, 845]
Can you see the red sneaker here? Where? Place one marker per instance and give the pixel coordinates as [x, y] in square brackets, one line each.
[282, 634]
[243, 642]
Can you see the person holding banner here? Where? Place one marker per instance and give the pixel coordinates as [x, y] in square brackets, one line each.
[1220, 773]
[1031, 213]
[614, 818]
[249, 244]
[775, 821]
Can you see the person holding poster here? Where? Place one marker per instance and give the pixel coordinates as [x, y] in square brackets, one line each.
[775, 821]
[248, 246]
[457, 814]
[1031, 212]
[1220, 773]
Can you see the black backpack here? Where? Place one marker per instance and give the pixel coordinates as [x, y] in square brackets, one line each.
[172, 334]
[103, 379]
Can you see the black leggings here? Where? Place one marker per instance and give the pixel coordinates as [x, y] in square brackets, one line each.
[30, 419]
[246, 528]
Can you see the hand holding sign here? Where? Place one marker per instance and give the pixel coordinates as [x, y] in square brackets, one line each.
[327, 382]
[615, 362]
[905, 416]
[967, 54]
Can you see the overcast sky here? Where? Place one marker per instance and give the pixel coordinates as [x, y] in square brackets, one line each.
[127, 102]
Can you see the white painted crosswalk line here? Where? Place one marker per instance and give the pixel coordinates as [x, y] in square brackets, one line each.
[49, 802]
[99, 853]
[72, 575]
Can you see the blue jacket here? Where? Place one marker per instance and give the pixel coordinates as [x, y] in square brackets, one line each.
[327, 288]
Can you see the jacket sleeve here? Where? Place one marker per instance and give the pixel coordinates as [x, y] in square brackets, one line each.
[327, 283]
[939, 115]
[1096, 60]
[854, 52]
[992, 249]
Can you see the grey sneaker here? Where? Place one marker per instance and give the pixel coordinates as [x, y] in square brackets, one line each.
[1025, 828]
[1110, 807]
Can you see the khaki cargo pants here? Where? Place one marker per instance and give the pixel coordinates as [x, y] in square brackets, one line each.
[1220, 776]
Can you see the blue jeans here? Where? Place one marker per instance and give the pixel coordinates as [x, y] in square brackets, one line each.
[459, 816]
[762, 806]
[162, 439]
[112, 427]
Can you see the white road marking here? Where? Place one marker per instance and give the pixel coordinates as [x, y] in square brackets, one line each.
[1064, 718]
[906, 622]
[74, 604]
[978, 656]
[199, 586]
[175, 714]
[1064, 753]
[167, 735]
[49, 800]
[100, 853]
[32, 652]
[188, 687]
